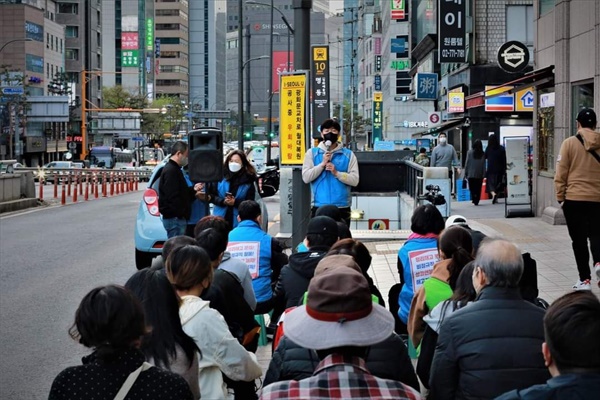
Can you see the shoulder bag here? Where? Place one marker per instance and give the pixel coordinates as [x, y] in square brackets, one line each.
[592, 152]
[131, 380]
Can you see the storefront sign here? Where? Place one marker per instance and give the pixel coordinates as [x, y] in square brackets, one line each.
[524, 100]
[416, 124]
[400, 46]
[377, 116]
[547, 100]
[293, 118]
[456, 102]
[129, 58]
[501, 101]
[426, 86]
[398, 9]
[517, 172]
[400, 65]
[435, 119]
[34, 31]
[149, 34]
[377, 82]
[513, 56]
[377, 63]
[320, 86]
[129, 41]
[35, 144]
[451, 31]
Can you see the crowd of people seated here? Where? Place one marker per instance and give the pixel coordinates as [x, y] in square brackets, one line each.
[186, 327]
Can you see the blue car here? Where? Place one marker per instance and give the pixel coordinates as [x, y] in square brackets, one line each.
[149, 233]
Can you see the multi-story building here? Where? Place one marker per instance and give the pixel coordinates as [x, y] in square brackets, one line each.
[171, 33]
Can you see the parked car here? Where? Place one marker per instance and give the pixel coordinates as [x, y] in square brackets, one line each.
[48, 171]
[149, 233]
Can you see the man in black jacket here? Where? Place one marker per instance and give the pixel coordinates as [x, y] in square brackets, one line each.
[571, 350]
[174, 196]
[293, 281]
[493, 345]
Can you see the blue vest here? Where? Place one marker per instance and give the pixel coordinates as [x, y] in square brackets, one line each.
[252, 245]
[327, 189]
[198, 207]
[223, 188]
[418, 257]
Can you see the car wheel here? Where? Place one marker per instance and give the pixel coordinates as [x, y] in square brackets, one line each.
[143, 259]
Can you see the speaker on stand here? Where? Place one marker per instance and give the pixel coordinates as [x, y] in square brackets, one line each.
[205, 160]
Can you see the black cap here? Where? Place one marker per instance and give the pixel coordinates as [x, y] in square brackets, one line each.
[587, 118]
[329, 210]
[322, 225]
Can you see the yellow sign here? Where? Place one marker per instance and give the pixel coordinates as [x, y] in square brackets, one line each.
[492, 91]
[524, 100]
[320, 53]
[456, 102]
[292, 117]
[378, 96]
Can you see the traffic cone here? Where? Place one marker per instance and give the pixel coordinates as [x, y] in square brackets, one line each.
[484, 194]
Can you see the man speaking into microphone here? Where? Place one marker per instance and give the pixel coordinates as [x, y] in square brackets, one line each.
[331, 170]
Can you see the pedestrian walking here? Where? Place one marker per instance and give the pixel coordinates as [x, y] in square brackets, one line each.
[577, 186]
[110, 320]
[331, 170]
[444, 155]
[422, 158]
[475, 170]
[495, 154]
[174, 196]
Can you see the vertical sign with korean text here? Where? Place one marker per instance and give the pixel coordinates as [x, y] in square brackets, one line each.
[377, 116]
[320, 87]
[149, 34]
[293, 118]
[452, 31]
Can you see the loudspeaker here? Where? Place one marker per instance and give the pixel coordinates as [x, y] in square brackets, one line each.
[206, 155]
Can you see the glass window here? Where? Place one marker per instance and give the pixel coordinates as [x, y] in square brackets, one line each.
[519, 24]
[72, 31]
[582, 97]
[72, 54]
[545, 137]
[546, 5]
[68, 8]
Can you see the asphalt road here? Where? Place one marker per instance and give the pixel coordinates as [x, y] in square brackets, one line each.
[49, 259]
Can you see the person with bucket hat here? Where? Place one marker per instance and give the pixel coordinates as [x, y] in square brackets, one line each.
[339, 321]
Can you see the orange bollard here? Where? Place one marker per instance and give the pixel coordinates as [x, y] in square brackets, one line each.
[128, 182]
[63, 197]
[55, 186]
[69, 185]
[87, 190]
[75, 194]
[80, 184]
[103, 185]
[137, 181]
[95, 188]
[112, 185]
[41, 191]
[122, 184]
[118, 184]
[484, 195]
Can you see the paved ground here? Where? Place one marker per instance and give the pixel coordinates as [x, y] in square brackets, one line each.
[549, 245]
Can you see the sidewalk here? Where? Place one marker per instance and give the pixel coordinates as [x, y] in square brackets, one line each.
[549, 245]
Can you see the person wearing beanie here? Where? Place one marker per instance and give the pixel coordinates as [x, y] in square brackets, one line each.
[577, 186]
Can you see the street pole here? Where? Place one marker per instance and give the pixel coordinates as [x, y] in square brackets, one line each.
[240, 75]
[301, 191]
[270, 112]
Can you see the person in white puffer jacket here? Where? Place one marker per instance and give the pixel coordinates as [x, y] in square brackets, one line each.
[189, 271]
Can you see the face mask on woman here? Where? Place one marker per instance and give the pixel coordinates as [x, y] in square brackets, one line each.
[234, 167]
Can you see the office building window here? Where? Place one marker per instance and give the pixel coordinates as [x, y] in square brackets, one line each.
[519, 24]
[72, 54]
[68, 8]
[72, 31]
[546, 5]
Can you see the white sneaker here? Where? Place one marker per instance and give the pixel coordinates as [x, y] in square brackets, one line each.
[583, 285]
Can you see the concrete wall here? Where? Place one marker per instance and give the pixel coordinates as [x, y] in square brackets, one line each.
[16, 186]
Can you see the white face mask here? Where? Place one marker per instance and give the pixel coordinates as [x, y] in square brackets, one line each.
[442, 140]
[234, 167]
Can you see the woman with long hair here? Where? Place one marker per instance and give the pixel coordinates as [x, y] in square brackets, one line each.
[110, 320]
[236, 186]
[456, 250]
[495, 154]
[190, 271]
[166, 345]
[475, 170]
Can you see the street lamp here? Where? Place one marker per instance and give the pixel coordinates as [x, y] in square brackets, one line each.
[241, 101]
[291, 32]
[13, 41]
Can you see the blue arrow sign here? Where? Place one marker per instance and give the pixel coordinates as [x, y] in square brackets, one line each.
[13, 90]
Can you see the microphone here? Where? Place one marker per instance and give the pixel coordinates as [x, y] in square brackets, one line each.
[327, 144]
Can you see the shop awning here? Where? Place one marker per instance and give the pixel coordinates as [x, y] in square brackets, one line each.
[531, 79]
[452, 123]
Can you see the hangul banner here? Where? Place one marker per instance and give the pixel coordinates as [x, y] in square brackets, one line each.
[452, 31]
[129, 41]
[149, 34]
[293, 118]
[320, 87]
[377, 116]
[130, 58]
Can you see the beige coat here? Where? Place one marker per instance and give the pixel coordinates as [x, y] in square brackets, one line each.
[577, 171]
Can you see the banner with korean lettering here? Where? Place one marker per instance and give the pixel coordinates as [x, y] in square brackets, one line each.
[377, 116]
[320, 87]
[452, 31]
[293, 118]
[398, 10]
[149, 34]
[129, 41]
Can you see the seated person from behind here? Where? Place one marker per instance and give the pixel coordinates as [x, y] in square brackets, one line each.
[571, 350]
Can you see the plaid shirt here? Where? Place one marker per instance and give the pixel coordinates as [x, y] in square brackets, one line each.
[339, 377]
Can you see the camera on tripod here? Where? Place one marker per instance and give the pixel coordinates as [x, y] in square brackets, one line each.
[433, 195]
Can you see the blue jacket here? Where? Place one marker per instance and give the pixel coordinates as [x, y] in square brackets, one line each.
[252, 245]
[327, 189]
[568, 386]
[223, 188]
[198, 207]
[416, 273]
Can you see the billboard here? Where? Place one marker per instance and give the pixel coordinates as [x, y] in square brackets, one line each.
[280, 65]
[293, 118]
[319, 73]
[452, 31]
[129, 41]
[130, 58]
[398, 9]
[377, 116]
[149, 34]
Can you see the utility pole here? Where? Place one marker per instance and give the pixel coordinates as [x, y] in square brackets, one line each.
[353, 19]
[240, 75]
[301, 191]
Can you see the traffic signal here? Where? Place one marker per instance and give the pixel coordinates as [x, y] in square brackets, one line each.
[247, 135]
